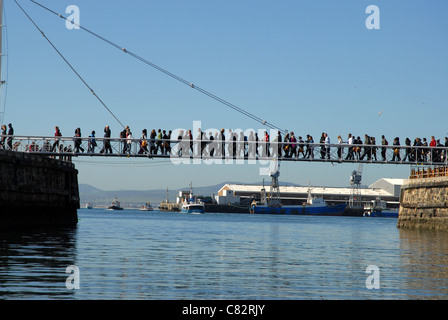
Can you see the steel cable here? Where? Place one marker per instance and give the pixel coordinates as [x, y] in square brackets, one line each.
[190, 84]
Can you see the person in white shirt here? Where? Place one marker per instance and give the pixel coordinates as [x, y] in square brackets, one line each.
[327, 145]
[350, 148]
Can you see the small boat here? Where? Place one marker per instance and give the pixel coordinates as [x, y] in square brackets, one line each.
[313, 206]
[378, 208]
[192, 205]
[146, 207]
[89, 205]
[115, 205]
[384, 213]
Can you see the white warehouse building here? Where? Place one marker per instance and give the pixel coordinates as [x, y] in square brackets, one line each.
[386, 189]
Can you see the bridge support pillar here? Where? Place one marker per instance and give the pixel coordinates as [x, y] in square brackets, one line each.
[37, 191]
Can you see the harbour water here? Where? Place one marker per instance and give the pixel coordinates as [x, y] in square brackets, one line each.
[155, 255]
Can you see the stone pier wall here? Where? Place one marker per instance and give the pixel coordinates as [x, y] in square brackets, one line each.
[424, 204]
[37, 191]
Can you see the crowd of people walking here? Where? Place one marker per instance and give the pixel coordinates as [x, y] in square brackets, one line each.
[229, 143]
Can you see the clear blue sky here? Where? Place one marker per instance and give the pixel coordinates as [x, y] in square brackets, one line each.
[307, 66]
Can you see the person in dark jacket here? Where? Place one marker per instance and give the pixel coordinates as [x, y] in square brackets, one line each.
[10, 134]
[78, 140]
[106, 142]
[3, 140]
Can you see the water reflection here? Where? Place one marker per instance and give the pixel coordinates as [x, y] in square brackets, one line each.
[424, 259]
[33, 263]
[134, 255]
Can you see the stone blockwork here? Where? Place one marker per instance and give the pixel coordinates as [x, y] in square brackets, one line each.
[37, 191]
[424, 204]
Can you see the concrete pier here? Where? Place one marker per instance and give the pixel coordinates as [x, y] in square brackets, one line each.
[37, 191]
[424, 201]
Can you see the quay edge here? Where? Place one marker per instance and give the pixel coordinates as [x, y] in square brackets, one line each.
[424, 203]
[37, 191]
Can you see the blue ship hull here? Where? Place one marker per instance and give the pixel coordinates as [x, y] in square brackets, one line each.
[193, 211]
[383, 214]
[336, 210]
[193, 208]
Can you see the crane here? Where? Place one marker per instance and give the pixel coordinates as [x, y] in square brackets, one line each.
[355, 181]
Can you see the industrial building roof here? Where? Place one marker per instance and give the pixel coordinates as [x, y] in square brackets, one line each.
[243, 189]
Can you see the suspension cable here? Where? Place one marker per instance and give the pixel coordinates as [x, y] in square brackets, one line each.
[190, 84]
[68, 63]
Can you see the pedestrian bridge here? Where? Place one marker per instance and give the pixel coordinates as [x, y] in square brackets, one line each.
[217, 151]
[232, 149]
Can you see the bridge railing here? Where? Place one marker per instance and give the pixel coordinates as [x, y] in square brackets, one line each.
[428, 172]
[67, 147]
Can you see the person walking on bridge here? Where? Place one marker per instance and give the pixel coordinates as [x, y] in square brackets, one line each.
[123, 135]
[166, 142]
[309, 147]
[159, 144]
[367, 149]
[143, 142]
[57, 134]
[373, 148]
[286, 146]
[3, 141]
[322, 146]
[326, 146]
[407, 154]
[396, 150]
[10, 134]
[293, 145]
[350, 148]
[152, 142]
[92, 143]
[384, 149]
[129, 139]
[433, 153]
[106, 143]
[340, 143]
[78, 140]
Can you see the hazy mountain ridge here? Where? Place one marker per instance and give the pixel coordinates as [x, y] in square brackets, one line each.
[100, 197]
[97, 196]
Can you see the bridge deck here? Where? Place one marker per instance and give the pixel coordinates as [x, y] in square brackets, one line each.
[217, 150]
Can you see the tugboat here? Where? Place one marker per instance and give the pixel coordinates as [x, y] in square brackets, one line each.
[115, 205]
[378, 208]
[192, 205]
[146, 207]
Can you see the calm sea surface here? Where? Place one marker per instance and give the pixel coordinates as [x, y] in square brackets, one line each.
[157, 255]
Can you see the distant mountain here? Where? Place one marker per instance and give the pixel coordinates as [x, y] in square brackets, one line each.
[87, 188]
[100, 197]
[136, 198]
